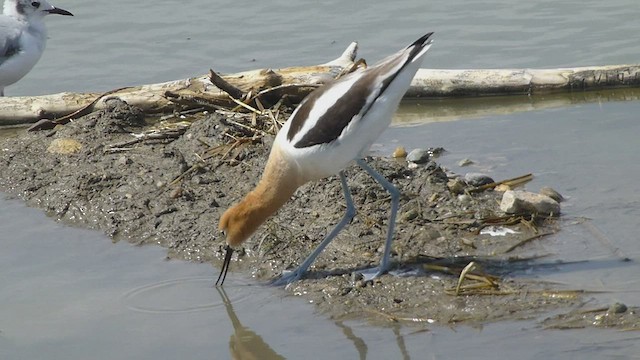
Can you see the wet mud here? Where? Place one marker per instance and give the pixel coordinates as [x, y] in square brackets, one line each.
[169, 184]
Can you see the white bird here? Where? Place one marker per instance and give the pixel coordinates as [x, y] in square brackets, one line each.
[334, 125]
[23, 37]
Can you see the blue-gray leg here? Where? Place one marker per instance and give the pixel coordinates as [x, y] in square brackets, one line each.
[395, 200]
[348, 215]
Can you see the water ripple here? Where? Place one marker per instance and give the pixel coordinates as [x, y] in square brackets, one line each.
[182, 295]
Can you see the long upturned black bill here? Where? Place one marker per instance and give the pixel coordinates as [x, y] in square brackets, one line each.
[225, 266]
[59, 11]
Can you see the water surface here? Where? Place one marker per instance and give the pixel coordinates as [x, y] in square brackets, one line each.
[110, 44]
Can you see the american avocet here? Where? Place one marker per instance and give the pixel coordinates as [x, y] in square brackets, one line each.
[23, 37]
[334, 125]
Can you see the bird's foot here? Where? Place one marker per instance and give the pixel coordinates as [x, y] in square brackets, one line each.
[287, 277]
[370, 274]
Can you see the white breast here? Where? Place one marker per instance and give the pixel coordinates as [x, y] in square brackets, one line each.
[32, 44]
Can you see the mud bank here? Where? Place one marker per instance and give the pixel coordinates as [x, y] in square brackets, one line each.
[169, 185]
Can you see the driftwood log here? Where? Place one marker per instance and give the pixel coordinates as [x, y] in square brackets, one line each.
[269, 85]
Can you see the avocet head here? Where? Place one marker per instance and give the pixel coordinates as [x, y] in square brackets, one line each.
[31, 8]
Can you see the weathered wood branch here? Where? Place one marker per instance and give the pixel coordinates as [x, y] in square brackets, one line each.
[270, 85]
[483, 82]
[296, 82]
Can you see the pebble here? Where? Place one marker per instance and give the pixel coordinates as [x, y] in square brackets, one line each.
[197, 179]
[477, 179]
[399, 152]
[431, 234]
[517, 202]
[176, 192]
[64, 146]
[464, 199]
[409, 215]
[465, 162]
[456, 185]
[437, 151]
[552, 194]
[418, 156]
[617, 308]
[123, 160]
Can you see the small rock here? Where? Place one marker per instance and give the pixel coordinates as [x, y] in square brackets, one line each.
[123, 160]
[409, 215]
[176, 192]
[617, 308]
[432, 234]
[436, 151]
[64, 146]
[516, 202]
[465, 162]
[197, 179]
[552, 194]
[456, 185]
[399, 152]
[346, 290]
[468, 242]
[464, 199]
[418, 156]
[477, 179]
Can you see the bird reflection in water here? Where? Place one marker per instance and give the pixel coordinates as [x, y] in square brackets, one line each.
[245, 344]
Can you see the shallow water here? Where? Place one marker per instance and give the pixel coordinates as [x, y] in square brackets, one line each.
[71, 294]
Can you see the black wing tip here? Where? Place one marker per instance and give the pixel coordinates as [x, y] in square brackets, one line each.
[424, 39]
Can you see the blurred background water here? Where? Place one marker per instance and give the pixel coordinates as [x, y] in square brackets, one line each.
[110, 44]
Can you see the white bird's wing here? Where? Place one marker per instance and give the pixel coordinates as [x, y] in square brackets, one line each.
[326, 112]
[10, 31]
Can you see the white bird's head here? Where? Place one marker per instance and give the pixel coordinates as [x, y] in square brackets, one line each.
[28, 9]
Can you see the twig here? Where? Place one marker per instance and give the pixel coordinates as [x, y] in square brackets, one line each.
[470, 267]
[240, 103]
[285, 86]
[188, 171]
[192, 100]
[383, 314]
[161, 134]
[223, 85]
[247, 127]
[513, 182]
[529, 239]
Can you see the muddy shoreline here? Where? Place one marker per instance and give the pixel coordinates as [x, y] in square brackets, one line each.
[170, 185]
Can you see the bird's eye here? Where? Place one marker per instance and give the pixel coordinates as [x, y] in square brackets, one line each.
[35, 4]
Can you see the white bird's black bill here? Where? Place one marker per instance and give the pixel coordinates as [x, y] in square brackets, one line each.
[225, 266]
